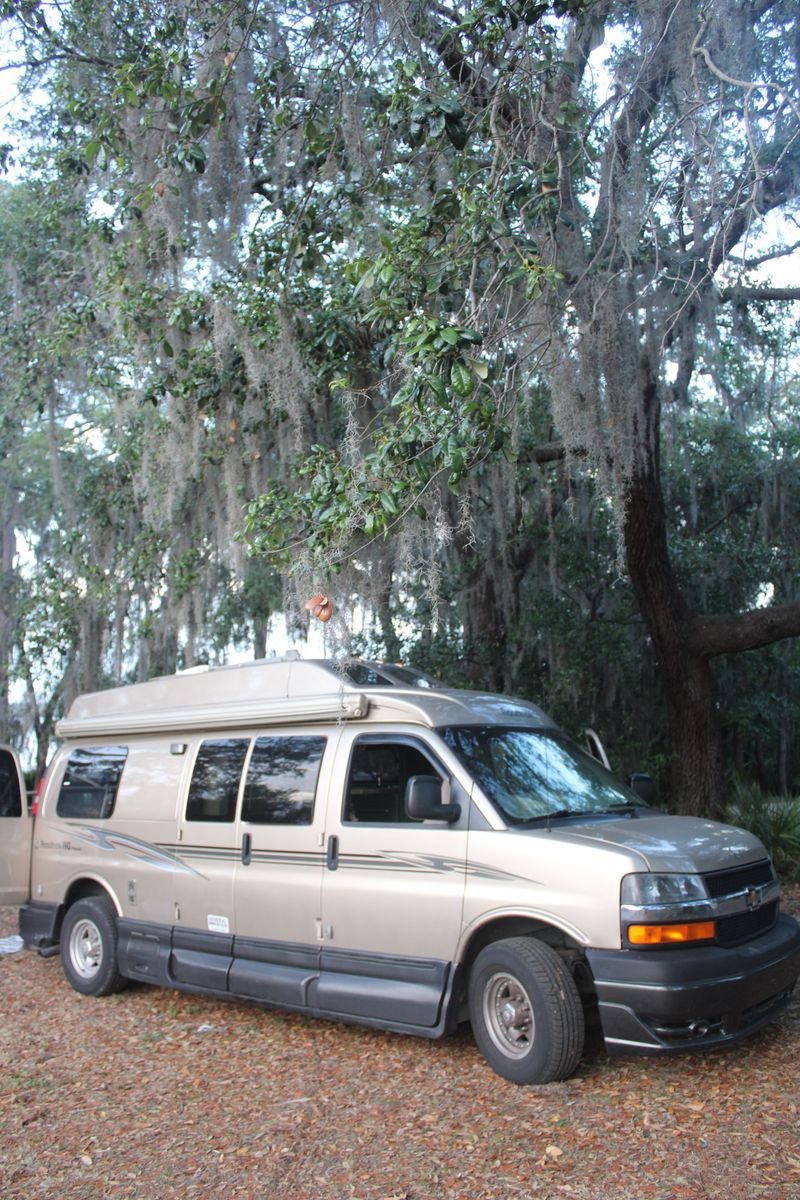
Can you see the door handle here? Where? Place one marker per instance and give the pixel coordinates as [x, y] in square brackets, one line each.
[333, 853]
[246, 849]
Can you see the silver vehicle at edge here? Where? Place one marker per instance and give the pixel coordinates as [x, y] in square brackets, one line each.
[357, 842]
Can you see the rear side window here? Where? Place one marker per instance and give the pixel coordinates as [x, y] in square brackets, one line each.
[10, 798]
[282, 780]
[215, 780]
[90, 783]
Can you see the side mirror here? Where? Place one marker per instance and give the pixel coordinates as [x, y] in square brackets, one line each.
[644, 787]
[424, 800]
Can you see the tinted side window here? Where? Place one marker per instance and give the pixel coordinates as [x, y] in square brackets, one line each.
[281, 780]
[376, 785]
[90, 783]
[10, 798]
[215, 781]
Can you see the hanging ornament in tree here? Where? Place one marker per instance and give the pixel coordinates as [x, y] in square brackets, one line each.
[321, 607]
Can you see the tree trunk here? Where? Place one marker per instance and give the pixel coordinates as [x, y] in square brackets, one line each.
[697, 769]
[484, 630]
[8, 551]
[45, 731]
[697, 775]
[259, 638]
[684, 642]
[383, 587]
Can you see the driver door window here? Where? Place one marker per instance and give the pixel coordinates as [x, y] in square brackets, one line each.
[376, 784]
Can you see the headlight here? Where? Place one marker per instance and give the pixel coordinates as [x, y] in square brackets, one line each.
[646, 889]
[662, 910]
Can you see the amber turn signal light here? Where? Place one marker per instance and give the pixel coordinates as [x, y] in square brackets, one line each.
[662, 935]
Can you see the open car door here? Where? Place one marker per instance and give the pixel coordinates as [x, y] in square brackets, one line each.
[16, 827]
[596, 748]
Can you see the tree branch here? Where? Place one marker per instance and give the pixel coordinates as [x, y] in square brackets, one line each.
[734, 632]
[760, 293]
[640, 103]
[751, 264]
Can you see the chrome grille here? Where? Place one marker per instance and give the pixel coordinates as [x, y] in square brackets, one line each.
[739, 879]
[745, 922]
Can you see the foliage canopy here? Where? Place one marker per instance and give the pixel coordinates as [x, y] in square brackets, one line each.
[465, 315]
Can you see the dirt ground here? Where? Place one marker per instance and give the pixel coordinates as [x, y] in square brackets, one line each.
[153, 1093]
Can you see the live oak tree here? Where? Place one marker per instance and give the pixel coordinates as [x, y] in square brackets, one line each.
[419, 282]
[626, 193]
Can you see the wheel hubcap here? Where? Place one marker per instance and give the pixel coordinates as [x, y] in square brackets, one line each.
[508, 1015]
[86, 948]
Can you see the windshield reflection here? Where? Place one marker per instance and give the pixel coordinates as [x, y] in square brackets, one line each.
[531, 776]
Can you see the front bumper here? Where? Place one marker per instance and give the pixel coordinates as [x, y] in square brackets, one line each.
[655, 1002]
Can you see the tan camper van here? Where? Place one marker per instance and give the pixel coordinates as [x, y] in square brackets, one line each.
[357, 842]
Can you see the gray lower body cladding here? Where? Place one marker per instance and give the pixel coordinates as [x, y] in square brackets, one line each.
[655, 1002]
[409, 995]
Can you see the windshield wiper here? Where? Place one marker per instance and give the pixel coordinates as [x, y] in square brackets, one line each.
[625, 807]
[559, 812]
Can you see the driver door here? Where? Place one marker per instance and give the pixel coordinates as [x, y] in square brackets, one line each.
[393, 888]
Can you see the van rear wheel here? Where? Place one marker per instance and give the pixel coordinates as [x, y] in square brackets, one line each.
[89, 947]
[525, 1011]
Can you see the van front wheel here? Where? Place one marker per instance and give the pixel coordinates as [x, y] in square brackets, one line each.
[89, 947]
[525, 1011]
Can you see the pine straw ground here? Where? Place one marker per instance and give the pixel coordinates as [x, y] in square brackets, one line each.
[152, 1093]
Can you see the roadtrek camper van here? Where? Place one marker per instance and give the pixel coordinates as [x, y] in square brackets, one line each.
[357, 842]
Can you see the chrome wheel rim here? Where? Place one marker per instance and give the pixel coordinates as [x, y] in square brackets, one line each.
[85, 948]
[508, 1015]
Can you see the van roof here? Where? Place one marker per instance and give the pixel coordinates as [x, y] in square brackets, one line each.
[288, 690]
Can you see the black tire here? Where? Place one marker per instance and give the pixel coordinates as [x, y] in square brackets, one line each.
[525, 1011]
[89, 947]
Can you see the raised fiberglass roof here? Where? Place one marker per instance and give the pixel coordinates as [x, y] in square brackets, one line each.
[286, 691]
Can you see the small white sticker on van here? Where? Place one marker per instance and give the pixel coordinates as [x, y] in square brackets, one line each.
[218, 924]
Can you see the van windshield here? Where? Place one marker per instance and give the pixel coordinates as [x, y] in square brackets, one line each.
[531, 776]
